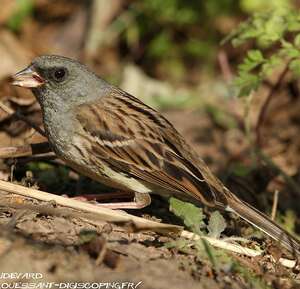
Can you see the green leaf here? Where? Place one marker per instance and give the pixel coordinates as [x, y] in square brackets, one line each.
[295, 67]
[255, 55]
[293, 21]
[253, 59]
[216, 225]
[290, 52]
[297, 40]
[274, 61]
[191, 215]
[266, 28]
[180, 244]
[209, 250]
[247, 82]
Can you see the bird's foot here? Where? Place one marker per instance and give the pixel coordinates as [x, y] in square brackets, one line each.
[141, 200]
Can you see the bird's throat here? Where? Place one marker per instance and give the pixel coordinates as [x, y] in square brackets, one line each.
[59, 126]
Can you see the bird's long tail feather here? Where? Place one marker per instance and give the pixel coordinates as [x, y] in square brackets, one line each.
[265, 224]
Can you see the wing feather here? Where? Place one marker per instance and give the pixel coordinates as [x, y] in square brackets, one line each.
[134, 139]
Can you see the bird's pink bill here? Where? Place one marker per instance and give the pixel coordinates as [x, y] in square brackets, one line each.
[28, 78]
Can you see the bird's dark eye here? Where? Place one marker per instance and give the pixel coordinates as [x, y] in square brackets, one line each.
[59, 74]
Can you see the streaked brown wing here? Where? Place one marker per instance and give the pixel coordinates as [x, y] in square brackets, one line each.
[135, 139]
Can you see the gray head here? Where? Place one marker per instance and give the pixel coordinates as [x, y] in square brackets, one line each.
[60, 81]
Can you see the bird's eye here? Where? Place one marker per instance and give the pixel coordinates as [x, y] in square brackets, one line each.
[59, 74]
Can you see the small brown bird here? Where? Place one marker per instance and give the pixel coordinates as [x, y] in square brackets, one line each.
[116, 139]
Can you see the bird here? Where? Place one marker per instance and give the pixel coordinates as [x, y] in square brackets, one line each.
[114, 138]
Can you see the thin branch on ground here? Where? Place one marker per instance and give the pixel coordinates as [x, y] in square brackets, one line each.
[222, 244]
[97, 211]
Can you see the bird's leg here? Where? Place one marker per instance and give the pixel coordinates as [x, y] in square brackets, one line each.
[104, 196]
[141, 200]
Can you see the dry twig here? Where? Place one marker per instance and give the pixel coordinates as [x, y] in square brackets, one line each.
[263, 111]
[222, 244]
[275, 205]
[104, 214]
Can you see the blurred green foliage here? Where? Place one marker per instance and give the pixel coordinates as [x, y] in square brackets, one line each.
[24, 8]
[252, 6]
[274, 37]
[288, 221]
[174, 36]
[175, 33]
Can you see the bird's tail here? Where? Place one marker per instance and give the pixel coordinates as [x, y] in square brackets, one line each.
[265, 224]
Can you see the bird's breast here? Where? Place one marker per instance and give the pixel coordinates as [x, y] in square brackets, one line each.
[59, 129]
